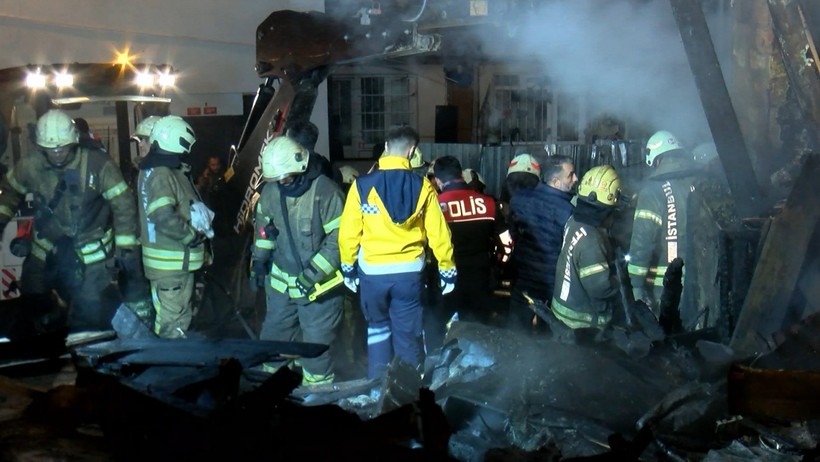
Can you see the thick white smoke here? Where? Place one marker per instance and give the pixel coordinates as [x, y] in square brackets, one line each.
[627, 57]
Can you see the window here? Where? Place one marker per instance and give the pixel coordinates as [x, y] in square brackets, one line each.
[522, 107]
[525, 108]
[362, 108]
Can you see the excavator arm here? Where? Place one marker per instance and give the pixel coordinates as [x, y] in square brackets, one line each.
[296, 52]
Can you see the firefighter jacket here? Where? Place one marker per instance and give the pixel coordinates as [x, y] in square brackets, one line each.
[472, 219]
[389, 217]
[295, 233]
[86, 201]
[169, 242]
[659, 226]
[586, 287]
[538, 216]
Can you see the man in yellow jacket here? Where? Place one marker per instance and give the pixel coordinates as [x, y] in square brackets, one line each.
[389, 216]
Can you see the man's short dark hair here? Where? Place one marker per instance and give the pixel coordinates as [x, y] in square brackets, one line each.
[447, 168]
[304, 132]
[401, 137]
[554, 166]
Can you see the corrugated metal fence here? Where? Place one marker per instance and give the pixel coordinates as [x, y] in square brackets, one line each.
[492, 161]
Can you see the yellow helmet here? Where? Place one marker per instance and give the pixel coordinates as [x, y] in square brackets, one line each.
[283, 157]
[416, 159]
[524, 163]
[600, 184]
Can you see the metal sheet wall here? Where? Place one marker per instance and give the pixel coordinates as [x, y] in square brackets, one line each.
[492, 161]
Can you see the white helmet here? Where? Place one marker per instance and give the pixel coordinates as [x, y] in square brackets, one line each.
[704, 152]
[659, 143]
[524, 163]
[143, 129]
[470, 174]
[173, 135]
[56, 129]
[349, 174]
[283, 157]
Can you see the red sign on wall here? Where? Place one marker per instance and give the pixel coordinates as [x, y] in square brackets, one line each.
[192, 111]
[210, 110]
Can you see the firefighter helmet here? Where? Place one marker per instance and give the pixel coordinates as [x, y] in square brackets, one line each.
[600, 184]
[659, 143]
[57, 137]
[416, 159]
[704, 152]
[283, 157]
[471, 175]
[172, 135]
[349, 174]
[143, 130]
[524, 163]
[55, 129]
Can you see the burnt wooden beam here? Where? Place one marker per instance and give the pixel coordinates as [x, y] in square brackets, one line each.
[800, 59]
[778, 268]
[773, 394]
[720, 114]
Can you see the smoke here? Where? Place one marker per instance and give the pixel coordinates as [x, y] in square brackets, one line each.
[626, 57]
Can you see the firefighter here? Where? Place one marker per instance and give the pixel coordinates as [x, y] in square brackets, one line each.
[349, 175]
[296, 253]
[84, 221]
[390, 216]
[142, 134]
[173, 238]
[659, 225]
[586, 285]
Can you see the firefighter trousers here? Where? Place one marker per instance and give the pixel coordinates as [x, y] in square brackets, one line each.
[172, 295]
[87, 309]
[288, 320]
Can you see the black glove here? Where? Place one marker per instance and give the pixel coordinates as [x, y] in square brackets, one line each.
[306, 281]
[128, 260]
[131, 281]
[259, 269]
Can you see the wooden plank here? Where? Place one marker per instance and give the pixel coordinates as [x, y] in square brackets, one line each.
[778, 269]
[720, 113]
[781, 394]
[796, 45]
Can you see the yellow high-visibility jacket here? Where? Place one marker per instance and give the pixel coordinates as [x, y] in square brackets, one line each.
[389, 217]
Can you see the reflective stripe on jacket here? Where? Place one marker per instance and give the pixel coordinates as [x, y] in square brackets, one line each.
[92, 197]
[586, 285]
[165, 197]
[369, 234]
[659, 233]
[314, 225]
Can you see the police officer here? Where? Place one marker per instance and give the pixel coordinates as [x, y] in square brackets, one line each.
[85, 218]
